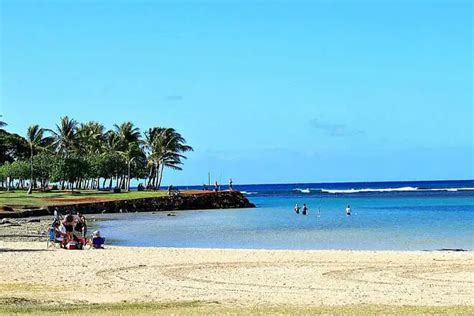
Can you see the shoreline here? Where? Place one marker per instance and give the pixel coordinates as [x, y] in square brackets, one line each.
[236, 277]
[36, 231]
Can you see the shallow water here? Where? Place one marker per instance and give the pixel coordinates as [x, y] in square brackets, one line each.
[379, 221]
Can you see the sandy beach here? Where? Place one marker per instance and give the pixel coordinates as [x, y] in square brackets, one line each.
[29, 271]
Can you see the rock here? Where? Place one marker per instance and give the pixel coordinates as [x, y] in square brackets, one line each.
[8, 224]
[6, 209]
[33, 220]
[185, 201]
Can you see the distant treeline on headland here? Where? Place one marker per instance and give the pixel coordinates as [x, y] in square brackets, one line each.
[77, 155]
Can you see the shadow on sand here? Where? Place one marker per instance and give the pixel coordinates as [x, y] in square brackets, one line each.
[20, 250]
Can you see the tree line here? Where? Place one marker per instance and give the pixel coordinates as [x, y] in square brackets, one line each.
[77, 155]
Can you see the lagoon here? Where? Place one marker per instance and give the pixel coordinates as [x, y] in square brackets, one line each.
[381, 220]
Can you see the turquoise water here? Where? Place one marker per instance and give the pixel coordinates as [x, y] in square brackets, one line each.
[379, 221]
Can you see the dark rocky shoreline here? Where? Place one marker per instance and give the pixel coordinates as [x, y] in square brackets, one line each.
[207, 200]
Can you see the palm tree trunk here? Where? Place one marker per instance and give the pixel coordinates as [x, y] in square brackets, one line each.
[155, 177]
[150, 176]
[128, 175]
[30, 189]
[161, 175]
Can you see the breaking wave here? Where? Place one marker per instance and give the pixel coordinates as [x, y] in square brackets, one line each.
[306, 191]
[402, 189]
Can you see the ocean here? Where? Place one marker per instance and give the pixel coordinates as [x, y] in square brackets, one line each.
[427, 215]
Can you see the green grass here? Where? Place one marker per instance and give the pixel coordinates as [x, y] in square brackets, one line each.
[63, 197]
[10, 307]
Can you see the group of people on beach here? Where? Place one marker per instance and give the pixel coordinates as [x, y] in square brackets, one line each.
[217, 186]
[71, 231]
[304, 211]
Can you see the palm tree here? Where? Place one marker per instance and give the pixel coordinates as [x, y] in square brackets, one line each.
[151, 136]
[34, 137]
[130, 140]
[133, 152]
[127, 133]
[66, 135]
[110, 149]
[166, 149]
[90, 137]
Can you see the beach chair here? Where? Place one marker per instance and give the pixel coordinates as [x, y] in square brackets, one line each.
[53, 242]
[98, 242]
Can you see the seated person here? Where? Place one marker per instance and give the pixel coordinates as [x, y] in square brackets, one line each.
[97, 240]
[80, 229]
[68, 224]
[59, 232]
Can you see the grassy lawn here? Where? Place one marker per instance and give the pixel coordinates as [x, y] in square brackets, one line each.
[201, 308]
[65, 197]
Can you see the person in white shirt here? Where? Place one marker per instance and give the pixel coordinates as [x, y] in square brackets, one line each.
[297, 209]
[348, 210]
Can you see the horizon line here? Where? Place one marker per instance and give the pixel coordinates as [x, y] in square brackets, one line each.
[343, 182]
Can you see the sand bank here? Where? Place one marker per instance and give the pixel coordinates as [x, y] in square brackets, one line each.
[236, 277]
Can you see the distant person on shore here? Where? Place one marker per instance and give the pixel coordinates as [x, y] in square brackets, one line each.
[80, 228]
[57, 217]
[348, 210]
[297, 208]
[204, 187]
[230, 184]
[170, 189]
[216, 186]
[305, 209]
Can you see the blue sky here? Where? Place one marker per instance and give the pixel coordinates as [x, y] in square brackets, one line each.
[265, 92]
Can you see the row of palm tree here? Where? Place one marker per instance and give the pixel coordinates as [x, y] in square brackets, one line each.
[158, 148]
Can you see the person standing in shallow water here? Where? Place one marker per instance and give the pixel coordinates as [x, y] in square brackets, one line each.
[348, 210]
[297, 209]
[305, 209]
